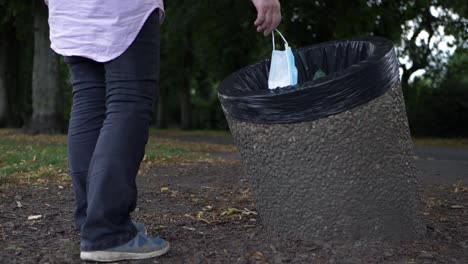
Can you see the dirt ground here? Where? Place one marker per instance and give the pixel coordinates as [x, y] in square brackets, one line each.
[206, 211]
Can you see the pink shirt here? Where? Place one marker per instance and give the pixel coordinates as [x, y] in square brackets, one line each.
[97, 29]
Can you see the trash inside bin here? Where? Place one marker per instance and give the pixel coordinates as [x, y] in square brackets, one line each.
[331, 157]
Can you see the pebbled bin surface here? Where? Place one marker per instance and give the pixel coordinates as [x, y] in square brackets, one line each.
[346, 177]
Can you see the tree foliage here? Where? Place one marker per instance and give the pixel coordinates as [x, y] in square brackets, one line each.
[204, 41]
[443, 110]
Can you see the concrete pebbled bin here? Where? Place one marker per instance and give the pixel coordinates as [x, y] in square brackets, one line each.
[330, 159]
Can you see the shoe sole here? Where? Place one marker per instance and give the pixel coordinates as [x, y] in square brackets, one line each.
[108, 256]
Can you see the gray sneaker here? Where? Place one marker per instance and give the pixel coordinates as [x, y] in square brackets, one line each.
[140, 228]
[141, 247]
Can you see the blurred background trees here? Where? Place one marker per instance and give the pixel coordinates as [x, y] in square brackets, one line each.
[204, 41]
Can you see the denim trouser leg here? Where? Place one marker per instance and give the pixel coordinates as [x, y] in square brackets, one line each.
[86, 118]
[130, 94]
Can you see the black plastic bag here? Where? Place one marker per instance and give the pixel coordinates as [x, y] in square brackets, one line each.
[357, 71]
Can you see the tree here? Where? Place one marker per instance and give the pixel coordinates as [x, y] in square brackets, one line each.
[16, 57]
[441, 109]
[433, 21]
[199, 42]
[5, 28]
[47, 101]
[402, 21]
[177, 61]
[3, 83]
[204, 41]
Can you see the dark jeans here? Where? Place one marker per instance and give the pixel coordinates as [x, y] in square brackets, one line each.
[112, 109]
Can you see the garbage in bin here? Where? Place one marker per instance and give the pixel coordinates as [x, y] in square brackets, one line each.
[329, 159]
[318, 74]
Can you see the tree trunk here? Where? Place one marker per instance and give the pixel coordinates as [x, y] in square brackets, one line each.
[185, 106]
[3, 84]
[161, 121]
[184, 90]
[47, 98]
[405, 81]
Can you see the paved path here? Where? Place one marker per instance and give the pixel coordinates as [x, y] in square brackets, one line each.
[441, 165]
[436, 165]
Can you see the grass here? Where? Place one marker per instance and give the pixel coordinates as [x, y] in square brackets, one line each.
[194, 133]
[160, 151]
[442, 142]
[30, 160]
[26, 159]
[34, 159]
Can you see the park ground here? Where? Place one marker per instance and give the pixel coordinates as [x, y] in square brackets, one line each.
[193, 192]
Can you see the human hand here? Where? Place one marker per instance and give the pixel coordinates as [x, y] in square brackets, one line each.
[269, 15]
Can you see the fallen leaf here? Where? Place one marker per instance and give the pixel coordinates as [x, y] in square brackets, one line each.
[188, 228]
[12, 247]
[257, 256]
[249, 212]
[198, 218]
[207, 208]
[459, 187]
[230, 211]
[34, 217]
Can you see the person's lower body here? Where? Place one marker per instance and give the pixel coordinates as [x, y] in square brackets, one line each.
[113, 105]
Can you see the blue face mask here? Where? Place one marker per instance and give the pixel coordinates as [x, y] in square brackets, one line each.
[283, 71]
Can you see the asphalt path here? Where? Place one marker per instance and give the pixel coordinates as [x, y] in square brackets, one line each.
[441, 165]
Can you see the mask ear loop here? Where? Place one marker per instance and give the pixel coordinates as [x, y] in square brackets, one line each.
[281, 35]
[273, 38]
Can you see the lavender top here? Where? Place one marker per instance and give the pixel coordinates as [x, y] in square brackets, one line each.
[97, 29]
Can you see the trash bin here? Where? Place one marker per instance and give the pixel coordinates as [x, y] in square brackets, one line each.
[328, 159]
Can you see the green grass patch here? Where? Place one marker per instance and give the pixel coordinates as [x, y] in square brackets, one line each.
[43, 158]
[194, 133]
[31, 160]
[442, 142]
[158, 151]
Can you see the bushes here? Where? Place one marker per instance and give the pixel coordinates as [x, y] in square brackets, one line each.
[438, 112]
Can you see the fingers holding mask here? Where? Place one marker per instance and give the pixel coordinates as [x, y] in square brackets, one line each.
[269, 15]
[275, 21]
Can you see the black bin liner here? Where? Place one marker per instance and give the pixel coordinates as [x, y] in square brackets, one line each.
[358, 71]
